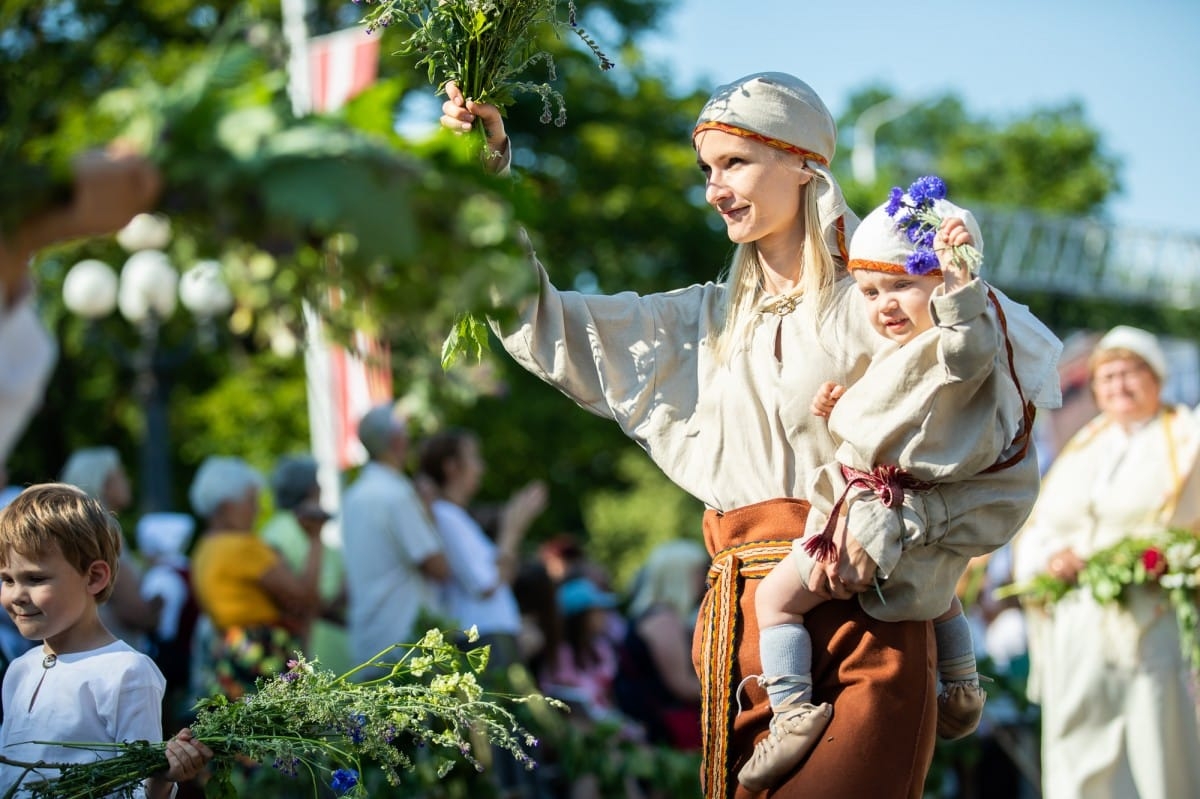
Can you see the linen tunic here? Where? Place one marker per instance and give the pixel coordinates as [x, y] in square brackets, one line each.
[742, 432]
[1118, 719]
[944, 407]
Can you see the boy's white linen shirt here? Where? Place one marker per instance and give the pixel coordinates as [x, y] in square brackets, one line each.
[111, 694]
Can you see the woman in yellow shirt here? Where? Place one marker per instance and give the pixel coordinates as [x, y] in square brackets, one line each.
[256, 604]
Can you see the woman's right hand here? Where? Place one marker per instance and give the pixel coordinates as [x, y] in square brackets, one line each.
[459, 114]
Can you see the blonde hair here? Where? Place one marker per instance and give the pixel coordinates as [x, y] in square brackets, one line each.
[51, 515]
[669, 578]
[744, 278]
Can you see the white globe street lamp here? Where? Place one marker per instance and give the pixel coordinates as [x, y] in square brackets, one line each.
[146, 294]
[145, 232]
[148, 287]
[90, 290]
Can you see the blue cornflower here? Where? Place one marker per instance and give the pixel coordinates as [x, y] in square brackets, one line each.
[895, 201]
[344, 779]
[913, 232]
[355, 728]
[921, 262]
[925, 190]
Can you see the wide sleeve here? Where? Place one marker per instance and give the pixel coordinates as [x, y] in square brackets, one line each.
[1186, 511]
[619, 356]
[27, 357]
[967, 333]
[968, 518]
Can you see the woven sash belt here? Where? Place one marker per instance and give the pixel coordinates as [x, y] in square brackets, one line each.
[752, 560]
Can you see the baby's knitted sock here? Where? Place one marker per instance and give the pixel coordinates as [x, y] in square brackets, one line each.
[955, 651]
[786, 652]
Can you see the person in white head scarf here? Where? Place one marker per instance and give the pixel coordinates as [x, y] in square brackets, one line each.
[254, 601]
[714, 382]
[1116, 693]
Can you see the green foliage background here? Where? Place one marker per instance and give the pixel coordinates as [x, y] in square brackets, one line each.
[293, 207]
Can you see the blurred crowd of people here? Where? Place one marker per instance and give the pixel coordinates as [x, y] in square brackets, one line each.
[229, 592]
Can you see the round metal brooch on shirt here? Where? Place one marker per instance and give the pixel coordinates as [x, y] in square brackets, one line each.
[50, 661]
[784, 305]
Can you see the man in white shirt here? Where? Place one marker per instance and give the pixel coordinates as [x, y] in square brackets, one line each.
[393, 555]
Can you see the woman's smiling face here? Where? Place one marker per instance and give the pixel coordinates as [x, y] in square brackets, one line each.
[1126, 389]
[751, 185]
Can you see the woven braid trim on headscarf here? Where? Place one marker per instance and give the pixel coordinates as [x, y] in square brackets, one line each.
[884, 266]
[839, 227]
[807, 155]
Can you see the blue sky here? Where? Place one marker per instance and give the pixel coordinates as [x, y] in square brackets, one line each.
[1135, 67]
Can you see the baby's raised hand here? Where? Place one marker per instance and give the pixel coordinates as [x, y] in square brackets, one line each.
[827, 396]
[952, 233]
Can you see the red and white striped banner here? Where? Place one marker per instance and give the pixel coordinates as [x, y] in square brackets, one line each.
[341, 65]
[343, 384]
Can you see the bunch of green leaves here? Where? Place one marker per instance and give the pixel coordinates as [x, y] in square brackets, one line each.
[310, 720]
[485, 46]
[1169, 560]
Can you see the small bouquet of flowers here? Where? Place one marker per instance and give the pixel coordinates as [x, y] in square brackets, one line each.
[1169, 560]
[917, 218]
[483, 45]
[325, 725]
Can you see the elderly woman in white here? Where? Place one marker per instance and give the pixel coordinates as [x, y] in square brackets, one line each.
[1118, 721]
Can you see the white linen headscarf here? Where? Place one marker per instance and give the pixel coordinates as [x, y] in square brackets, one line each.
[784, 112]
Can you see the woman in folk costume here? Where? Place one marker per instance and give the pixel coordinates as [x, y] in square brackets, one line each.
[1118, 719]
[943, 402]
[714, 381]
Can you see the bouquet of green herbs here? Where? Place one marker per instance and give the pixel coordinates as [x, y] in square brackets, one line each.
[311, 722]
[1169, 560]
[485, 46]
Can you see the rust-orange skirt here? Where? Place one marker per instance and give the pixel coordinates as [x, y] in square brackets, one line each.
[880, 676]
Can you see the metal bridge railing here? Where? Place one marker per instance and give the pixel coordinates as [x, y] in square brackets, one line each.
[1089, 258]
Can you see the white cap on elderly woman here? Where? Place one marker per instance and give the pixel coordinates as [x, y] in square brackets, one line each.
[221, 479]
[1140, 342]
[784, 112]
[88, 469]
[377, 426]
